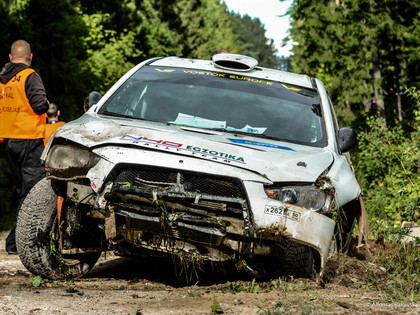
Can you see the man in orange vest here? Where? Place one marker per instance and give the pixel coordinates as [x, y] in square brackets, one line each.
[23, 104]
[52, 122]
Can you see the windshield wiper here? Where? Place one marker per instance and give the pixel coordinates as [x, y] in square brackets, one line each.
[120, 115]
[263, 135]
[220, 129]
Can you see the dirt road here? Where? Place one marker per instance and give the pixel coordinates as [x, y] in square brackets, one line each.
[119, 285]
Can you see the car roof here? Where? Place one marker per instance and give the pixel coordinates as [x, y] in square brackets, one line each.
[258, 72]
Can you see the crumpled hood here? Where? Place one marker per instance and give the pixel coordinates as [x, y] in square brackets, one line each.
[275, 160]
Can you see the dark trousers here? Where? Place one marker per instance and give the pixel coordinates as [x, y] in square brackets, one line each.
[27, 168]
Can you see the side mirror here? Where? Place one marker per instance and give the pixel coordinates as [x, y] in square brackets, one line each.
[347, 139]
[91, 100]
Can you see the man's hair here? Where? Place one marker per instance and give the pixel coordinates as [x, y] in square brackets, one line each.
[52, 111]
[21, 50]
[219, 51]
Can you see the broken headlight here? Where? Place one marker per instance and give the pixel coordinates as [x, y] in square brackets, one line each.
[67, 161]
[308, 197]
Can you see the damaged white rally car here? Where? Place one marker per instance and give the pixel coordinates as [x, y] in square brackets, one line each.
[214, 160]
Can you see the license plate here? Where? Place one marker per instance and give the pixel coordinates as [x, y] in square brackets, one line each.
[283, 212]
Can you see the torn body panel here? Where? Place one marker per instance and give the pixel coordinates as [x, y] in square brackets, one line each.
[304, 226]
[344, 182]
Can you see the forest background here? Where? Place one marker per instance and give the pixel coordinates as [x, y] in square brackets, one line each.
[357, 48]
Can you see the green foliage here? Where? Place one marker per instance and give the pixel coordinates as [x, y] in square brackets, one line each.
[55, 252]
[402, 263]
[240, 286]
[283, 285]
[215, 308]
[387, 167]
[357, 48]
[36, 281]
[329, 46]
[108, 52]
[190, 265]
[203, 26]
[279, 284]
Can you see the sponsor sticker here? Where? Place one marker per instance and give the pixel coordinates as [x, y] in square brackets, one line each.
[260, 144]
[228, 76]
[185, 149]
[164, 70]
[291, 88]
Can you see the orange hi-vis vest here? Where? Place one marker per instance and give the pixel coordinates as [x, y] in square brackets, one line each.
[17, 119]
[50, 129]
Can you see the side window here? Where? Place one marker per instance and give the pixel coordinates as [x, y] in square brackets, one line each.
[129, 101]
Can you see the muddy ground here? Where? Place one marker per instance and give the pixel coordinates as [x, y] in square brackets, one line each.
[118, 285]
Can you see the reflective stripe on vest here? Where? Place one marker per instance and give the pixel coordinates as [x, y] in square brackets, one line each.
[17, 119]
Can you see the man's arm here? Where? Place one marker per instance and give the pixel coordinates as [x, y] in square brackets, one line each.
[35, 91]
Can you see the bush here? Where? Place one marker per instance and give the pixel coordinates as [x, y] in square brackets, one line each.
[387, 167]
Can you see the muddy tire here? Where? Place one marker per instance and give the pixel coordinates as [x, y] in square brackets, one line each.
[298, 261]
[37, 237]
[290, 259]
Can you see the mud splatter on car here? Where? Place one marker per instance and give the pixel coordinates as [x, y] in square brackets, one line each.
[219, 159]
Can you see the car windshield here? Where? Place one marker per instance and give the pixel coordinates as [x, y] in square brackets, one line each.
[220, 101]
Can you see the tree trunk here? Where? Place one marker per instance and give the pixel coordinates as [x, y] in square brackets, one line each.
[376, 79]
[399, 106]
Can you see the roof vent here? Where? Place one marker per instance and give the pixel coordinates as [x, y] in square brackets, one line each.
[234, 62]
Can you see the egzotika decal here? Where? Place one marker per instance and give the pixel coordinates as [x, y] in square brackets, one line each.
[185, 149]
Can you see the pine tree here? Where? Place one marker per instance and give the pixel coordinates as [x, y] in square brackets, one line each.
[358, 48]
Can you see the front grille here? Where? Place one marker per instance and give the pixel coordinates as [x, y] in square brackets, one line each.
[213, 186]
[129, 175]
[180, 204]
[191, 182]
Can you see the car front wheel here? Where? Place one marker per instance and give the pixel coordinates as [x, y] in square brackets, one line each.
[38, 238]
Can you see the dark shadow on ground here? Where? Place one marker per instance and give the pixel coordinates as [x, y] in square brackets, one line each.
[165, 270]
